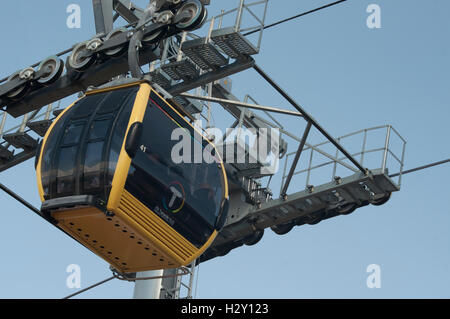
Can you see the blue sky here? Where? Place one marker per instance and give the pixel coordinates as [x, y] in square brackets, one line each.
[349, 77]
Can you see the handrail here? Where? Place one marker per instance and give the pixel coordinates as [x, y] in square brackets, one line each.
[386, 150]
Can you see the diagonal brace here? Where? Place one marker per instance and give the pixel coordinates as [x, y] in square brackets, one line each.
[309, 118]
[296, 159]
[103, 14]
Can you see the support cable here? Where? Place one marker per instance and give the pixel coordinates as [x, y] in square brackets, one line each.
[38, 212]
[116, 275]
[420, 168]
[295, 17]
[90, 287]
[20, 200]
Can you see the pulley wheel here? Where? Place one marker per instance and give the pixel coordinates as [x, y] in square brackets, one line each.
[52, 69]
[197, 15]
[77, 60]
[347, 209]
[20, 91]
[116, 52]
[382, 200]
[317, 218]
[255, 238]
[224, 251]
[282, 229]
[153, 38]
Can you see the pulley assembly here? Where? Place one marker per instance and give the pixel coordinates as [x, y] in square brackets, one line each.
[162, 19]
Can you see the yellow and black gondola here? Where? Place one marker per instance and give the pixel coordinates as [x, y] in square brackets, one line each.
[106, 177]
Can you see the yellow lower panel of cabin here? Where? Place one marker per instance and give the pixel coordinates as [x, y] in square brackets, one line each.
[115, 240]
[134, 239]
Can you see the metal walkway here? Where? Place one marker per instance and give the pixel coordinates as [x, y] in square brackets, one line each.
[314, 203]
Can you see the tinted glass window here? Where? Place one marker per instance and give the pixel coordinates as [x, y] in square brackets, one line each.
[92, 164]
[186, 195]
[65, 173]
[119, 130]
[114, 100]
[86, 106]
[99, 129]
[75, 153]
[73, 133]
[49, 152]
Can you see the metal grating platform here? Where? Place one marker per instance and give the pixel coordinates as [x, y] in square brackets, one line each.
[233, 43]
[205, 55]
[161, 79]
[190, 106]
[309, 206]
[5, 154]
[56, 113]
[40, 127]
[21, 140]
[181, 70]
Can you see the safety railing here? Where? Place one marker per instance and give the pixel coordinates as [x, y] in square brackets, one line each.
[387, 138]
[256, 10]
[247, 18]
[45, 113]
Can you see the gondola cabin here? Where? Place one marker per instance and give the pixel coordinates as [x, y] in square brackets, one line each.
[107, 178]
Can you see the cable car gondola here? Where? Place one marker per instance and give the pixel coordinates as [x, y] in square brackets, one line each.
[106, 178]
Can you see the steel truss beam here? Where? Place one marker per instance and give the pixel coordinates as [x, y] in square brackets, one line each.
[235, 67]
[304, 207]
[127, 10]
[309, 118]
[241, 104]
[103, 15]
[296, 159]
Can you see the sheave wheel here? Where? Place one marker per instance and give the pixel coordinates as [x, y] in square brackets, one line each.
[255, 238]
[78, 60]
[382, 200]
[282, 229]
[116, 52]
[20, 91]
[347, 209]
[197, 15]
[52, 68]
